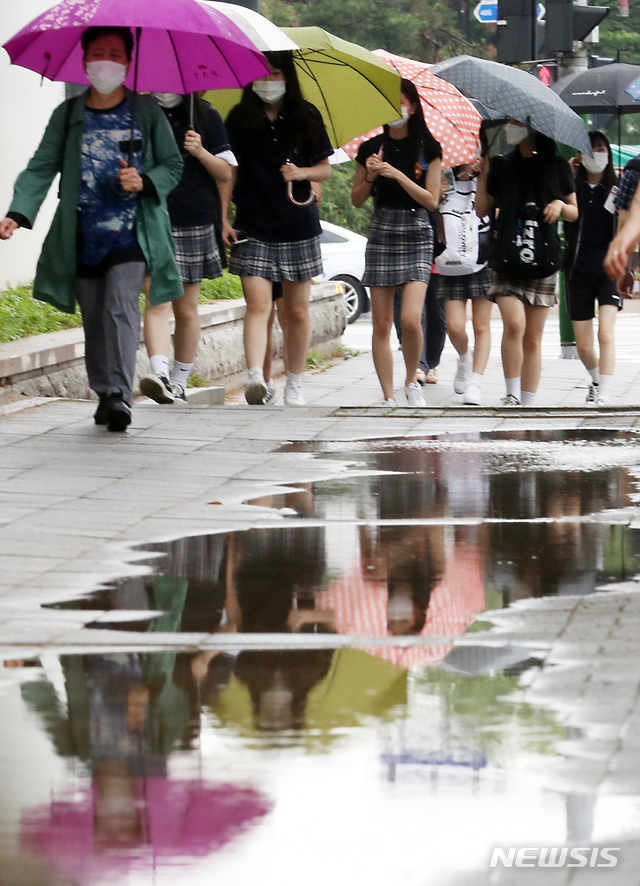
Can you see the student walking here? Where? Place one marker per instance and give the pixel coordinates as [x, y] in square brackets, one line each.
[530, 188]
[463, 275]
[587, 241]
[111, 221]
[194, 211]
[401, 169]
[281, 145]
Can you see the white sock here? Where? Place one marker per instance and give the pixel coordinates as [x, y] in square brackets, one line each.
[159, 364]
[256, 372]
[292, 376]
[476, 378]
[527, 398]
[595, 375]
[467, 357]
[181, 372]
[513, 386]
[604, 389]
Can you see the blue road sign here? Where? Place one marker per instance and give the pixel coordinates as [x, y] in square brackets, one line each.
[487, 11]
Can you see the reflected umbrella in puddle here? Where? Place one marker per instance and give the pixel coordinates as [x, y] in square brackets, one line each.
[113, 828]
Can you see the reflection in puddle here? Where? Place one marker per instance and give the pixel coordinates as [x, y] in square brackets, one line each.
[390, 763]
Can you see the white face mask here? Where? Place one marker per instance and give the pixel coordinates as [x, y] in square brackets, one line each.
[597, 163]
[106, 76]
[270, 91]
[396, 124]
[167, 99]
[514, 133]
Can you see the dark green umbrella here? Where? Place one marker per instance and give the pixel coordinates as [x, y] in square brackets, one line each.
[516, 94]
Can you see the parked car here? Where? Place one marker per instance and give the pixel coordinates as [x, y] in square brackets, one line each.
[343, 259]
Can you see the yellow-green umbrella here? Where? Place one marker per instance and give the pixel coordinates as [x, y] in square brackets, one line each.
[354, 90]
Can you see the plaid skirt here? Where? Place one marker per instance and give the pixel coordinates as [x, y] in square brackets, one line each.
[300, 260]
[197, 253]
[399, 248]
[465, 286]
[539, 293]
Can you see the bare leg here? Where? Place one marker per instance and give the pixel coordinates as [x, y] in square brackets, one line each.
[413, 295]
[532, 346]
[481, 314]
[295, 305]
[382, 317]
[257, 293]
[187, 332]
[606, 338]
[456, 324]
[514, 320]
[268, 357]
[157, 335]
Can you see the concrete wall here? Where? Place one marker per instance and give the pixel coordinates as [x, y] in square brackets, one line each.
[52, 365]
[25, 108]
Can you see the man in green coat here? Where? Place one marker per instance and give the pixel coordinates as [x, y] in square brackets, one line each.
[118, 161]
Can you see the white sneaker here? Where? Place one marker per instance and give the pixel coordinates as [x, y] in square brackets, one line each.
[463, 375]
[255, 389]
[293, 395]
[473, 394]
[601, 400]
[592, 393]
[414, 395]
[510, 400]
[271, 396]
[389, 403]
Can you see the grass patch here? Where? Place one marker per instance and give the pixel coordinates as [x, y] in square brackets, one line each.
[319, 362]
[197, 381]
[21, 315]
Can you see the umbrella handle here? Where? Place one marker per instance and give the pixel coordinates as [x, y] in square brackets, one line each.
[310, 198]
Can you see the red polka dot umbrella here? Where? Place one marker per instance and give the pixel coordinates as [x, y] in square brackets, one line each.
[451, 117]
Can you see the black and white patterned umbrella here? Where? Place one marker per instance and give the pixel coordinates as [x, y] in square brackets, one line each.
[517, 94]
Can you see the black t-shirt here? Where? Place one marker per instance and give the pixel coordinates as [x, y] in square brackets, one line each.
[597, 228]
[522, 178]
[403, 154]
[263, 209]
[195, 199]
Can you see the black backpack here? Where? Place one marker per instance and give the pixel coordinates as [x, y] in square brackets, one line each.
[523, 245]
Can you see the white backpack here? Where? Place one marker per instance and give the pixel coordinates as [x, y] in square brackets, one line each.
[461, 226]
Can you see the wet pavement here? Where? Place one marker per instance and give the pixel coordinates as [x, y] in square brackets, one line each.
[336, 644]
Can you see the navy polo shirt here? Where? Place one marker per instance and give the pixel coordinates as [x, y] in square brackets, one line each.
[263, 208]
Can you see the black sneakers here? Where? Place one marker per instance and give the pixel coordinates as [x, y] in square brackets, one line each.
[99, 416]
[178, 392]
[158, 388]
[117, 413]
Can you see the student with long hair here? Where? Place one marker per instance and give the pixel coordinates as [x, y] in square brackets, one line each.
[401, 169]
[281, 146]
[586, 279]
[194, 211]
[530, 189]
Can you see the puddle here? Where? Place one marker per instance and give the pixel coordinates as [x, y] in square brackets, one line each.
[403, 760]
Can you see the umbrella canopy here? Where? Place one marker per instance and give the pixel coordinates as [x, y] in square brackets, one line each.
[516, 94]
[262, 33]
[451, 117]
[181, 46]
[353, 90]
[601, 90]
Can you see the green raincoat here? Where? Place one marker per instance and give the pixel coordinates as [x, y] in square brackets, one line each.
[60, 151]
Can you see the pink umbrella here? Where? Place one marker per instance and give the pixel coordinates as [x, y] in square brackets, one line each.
[451, 117]
[180, 821]
[181, 46]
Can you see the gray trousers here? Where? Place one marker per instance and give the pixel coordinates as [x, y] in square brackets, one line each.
[110, 311]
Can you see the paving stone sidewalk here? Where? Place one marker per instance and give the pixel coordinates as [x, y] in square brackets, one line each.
[74, 499]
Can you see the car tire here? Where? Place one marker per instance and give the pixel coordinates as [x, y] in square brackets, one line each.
[355, 296]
